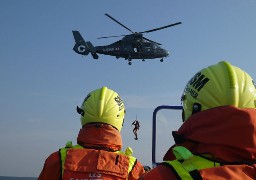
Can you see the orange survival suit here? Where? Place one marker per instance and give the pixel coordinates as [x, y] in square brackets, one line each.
[225, 135]
[100, 142]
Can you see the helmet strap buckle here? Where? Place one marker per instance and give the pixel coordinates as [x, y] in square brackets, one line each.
[196, 108]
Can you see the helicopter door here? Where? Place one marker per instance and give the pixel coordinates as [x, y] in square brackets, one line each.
[137, 47]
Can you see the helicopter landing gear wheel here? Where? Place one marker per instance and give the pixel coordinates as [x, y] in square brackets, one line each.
[129, 60]
[161, 60]
[143, 59]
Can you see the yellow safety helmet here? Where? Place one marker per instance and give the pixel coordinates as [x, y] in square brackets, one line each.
[104, 106]
[218, 85]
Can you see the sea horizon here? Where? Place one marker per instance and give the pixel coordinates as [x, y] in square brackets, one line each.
[17, 178]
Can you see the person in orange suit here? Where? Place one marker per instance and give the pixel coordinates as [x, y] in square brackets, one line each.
[218, 137]
[97, 154]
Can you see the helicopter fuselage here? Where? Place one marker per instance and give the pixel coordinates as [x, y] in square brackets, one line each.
[132, 46]
[133, 50]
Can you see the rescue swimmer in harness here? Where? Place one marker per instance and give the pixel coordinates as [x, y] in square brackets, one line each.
[97, 154]
[136, 124]
[218, 137]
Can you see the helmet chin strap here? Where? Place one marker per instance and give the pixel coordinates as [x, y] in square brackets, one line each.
[183, 115]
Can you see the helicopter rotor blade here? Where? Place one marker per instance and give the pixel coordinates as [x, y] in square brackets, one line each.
[156, 29]
[151, 41]
[119, 23]
[104, 37]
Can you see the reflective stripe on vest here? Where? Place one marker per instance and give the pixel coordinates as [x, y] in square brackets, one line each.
[132, 160]
[63, 154]
[187, 165]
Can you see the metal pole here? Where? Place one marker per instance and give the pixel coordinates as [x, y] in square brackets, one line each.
[154, 163]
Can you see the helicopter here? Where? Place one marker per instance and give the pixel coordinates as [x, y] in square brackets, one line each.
[131, 46]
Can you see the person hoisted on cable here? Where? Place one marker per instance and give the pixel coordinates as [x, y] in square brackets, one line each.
[136, 124]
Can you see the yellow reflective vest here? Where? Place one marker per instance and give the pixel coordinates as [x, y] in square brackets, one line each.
[187, 165]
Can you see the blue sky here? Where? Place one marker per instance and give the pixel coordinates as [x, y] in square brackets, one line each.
[43, 79]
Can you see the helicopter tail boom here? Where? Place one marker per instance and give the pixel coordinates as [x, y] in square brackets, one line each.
[82, 47]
